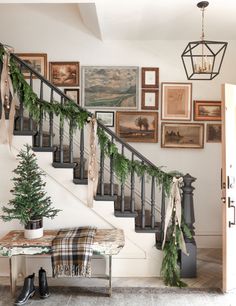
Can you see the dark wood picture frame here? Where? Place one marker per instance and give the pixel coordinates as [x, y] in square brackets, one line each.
[38, 61]
[150, 99]
[214, 132]
[73, 94]
[105, 120]
[207, 110]
[137, 126]
[150, 77]
[182, 135]
[64, 74]
[176, 101]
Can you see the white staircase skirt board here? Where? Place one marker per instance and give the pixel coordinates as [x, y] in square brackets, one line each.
[138, 258]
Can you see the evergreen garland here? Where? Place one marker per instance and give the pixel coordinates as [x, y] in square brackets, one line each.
[123, 167]
[170, 269]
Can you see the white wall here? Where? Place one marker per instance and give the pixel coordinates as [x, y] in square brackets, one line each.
[58, 31]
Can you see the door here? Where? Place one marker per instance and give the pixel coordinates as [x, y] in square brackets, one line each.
[229, 185]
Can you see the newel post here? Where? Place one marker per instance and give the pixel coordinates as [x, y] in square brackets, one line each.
[188, 264]
[187, 202]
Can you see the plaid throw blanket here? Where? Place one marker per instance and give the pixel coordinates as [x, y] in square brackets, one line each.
[72, 251]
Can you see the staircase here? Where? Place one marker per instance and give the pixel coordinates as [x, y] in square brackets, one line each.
[137, 197]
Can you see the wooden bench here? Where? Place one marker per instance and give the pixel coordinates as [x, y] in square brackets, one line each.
[107, 242]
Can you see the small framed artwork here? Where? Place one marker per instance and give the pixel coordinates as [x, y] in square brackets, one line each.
[110, 87]
[64, 73]
[150, 99]
[107, 118]
[72, 93]
[207, 110]
[176, 101]
[38, 61]
[213, 132]
[182, 135]
[137, 126]
[150, 77]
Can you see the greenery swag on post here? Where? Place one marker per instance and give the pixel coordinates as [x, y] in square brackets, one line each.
[30, 201]
[122, 165]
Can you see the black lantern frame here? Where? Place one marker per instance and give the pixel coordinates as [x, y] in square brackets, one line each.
[214, 52]
[203, 59]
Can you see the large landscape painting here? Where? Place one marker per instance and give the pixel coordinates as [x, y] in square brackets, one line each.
[137, 126]
[110, 87]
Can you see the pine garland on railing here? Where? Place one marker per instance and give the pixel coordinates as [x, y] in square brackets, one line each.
[170, 269]
[122, 165]
[68, 110]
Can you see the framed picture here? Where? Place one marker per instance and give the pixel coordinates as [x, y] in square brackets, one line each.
[176, 101]
[137, 126]
[213, 132]
[207, 110]
[182, 135]
[110, 87]
[37, 61]
[150, 77]
[107, 118]
[72, 93]
[150, 99]
[64, 73]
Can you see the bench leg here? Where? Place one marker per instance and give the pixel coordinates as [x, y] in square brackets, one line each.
[13, 275]
[110, 275]
[17, 267]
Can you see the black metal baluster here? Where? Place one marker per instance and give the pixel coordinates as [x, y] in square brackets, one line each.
[81, 168]
[122, 207]
[163, 213]
[132, 188]
[51, 122]
[21, 115]
[71, 158]
[143, 217]
[101, 173]
[153, 202]
[111, 172]
[21, 111]
[41, 117]
[30, 115]
[61, 137]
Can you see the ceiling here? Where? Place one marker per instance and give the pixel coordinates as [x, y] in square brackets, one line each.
[154, 19]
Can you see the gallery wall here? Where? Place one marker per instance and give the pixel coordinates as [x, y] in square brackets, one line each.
[58, 31]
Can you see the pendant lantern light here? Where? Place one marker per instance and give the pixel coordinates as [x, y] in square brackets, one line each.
[203, 59]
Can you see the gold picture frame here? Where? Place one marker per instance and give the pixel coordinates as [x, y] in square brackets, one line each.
[64, 74]
[37, 61]
[176, 101]
[182, 135]
[207, 110]
[137, 126]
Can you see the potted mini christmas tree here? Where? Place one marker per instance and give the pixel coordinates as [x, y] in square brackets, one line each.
[30, 203]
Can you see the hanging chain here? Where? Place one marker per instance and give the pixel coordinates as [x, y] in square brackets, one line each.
[203, 35]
